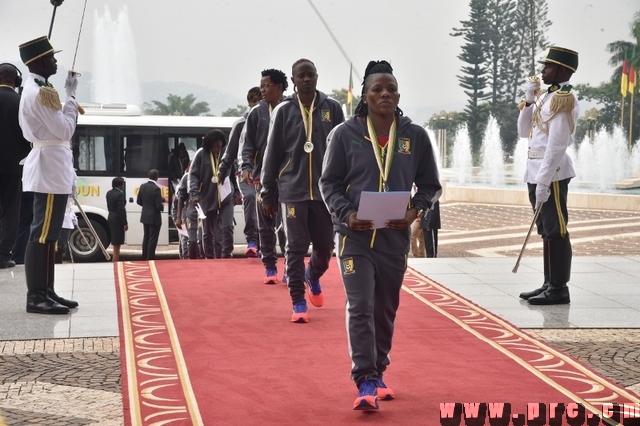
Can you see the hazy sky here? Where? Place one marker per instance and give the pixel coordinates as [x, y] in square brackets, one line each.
[224, 44]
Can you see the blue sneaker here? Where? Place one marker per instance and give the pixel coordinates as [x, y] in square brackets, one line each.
[314, 290]
[300, 312]
[284, 278]
[271, 276]
[367, 396]
[252, 250]
[384, 393]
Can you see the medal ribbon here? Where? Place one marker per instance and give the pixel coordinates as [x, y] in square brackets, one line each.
[307, 117]
[215, 165]
[381, 153]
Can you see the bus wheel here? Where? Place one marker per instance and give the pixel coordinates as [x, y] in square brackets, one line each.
[87, 249]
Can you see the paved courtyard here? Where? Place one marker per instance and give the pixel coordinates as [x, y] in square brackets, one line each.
[76, 378]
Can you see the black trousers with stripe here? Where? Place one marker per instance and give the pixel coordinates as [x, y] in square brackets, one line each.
[553, 218]
[48, 215]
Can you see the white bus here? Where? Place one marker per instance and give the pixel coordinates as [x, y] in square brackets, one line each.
[117, 140]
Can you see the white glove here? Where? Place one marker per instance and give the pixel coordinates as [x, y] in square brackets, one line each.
[71, 84]
[531, 88]
[542, 194]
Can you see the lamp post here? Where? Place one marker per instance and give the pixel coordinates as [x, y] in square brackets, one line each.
[442, 122]
[591, 115]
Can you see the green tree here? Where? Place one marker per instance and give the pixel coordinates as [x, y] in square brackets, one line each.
[474, 79]
[238, 111]
[177, 105]
[341, 95]
[503, 68]
[608, 95]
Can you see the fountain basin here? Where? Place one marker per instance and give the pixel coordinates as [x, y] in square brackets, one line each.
[518, 196]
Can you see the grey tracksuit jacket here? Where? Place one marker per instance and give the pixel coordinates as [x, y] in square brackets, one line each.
[289, 174]
[350, 167]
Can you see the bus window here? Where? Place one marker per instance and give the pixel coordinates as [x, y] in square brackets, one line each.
[143, 150]
[94, 150]
[191, 144]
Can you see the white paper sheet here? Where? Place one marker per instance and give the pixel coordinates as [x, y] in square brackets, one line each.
[383, 206]
[225, 189]
[182, 231]
[201, 214]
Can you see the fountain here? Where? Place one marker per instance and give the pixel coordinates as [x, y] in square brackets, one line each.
[603, 165]
[491, 155]
[462, 162]
[115, 74]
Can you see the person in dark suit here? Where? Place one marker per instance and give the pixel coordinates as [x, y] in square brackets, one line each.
[14, 148]
[150, 198]
[430, 223]
[117, 218]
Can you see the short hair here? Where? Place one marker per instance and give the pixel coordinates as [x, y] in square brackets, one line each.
[277, 77]
[254, 91]
[117, 182]
[301, 60]
[153, 174]
[8, 73]
[374, 67]
[211, 137]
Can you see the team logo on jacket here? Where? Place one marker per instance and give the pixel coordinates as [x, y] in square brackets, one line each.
[404, 146]
[326, 115]
[291, 212]
[347, 266]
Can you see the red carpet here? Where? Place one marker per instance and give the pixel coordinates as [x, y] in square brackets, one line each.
[205, 342]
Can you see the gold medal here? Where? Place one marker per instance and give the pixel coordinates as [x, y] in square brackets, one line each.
[308, 147]
[214, 179]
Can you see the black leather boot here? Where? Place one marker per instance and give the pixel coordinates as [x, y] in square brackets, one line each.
[36, 270]
[51, 274]
[560, 272]
[545, 260]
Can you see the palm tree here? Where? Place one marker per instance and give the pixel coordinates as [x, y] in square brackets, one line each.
[623, 50]
[177, 105]
[607, 95]
[629, 50]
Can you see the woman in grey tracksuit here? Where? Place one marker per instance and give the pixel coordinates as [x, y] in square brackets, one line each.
[204, 190]
[373, 261]
[290, 171]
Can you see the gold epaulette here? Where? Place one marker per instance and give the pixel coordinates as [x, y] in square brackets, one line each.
[522, 104]
[563, 100]
[48, 96]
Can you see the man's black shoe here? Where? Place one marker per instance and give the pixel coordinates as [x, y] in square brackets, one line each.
[7, 264]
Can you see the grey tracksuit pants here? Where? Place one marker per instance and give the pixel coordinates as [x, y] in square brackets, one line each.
[306, 222]
[372, 282]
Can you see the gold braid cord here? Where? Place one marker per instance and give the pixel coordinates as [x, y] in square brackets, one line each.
[48, 96]
[561, 101]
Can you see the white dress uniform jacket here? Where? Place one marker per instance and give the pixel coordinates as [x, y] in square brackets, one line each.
[552, 138]
[48, 168]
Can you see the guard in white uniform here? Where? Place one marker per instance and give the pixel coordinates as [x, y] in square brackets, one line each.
[48, 170]
[548, 119]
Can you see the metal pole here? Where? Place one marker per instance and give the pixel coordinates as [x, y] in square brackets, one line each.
[53, 18]
[533, 222]
[55, 4]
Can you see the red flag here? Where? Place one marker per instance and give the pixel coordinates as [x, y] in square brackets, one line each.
[624, 82]
[632, 80]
